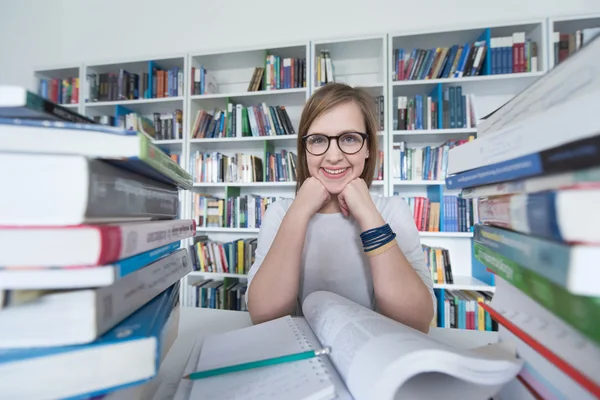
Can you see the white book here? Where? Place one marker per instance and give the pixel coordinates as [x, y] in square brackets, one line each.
[547, 329]
[372, 357]
[87, 244]
[73, 189]
[80, 316]
[545, 377]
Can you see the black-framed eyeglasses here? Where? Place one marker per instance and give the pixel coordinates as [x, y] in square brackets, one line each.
[348, 142]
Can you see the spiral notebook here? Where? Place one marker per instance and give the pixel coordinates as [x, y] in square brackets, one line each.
[305, 379]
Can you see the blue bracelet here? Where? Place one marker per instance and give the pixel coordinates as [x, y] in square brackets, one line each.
[377, 237]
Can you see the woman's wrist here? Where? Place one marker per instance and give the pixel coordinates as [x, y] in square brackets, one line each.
[372, 220]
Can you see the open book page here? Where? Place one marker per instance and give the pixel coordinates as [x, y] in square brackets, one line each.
[380, 358]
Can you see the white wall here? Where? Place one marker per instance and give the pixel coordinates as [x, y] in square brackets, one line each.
[45, 33]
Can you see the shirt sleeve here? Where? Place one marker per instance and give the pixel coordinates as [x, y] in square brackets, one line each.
[268, 230]
[409, 241]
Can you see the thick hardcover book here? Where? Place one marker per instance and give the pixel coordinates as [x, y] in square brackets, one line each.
[551, 296]
[65, 318]
[60, 277]
[576, 155]
[87, 244]
[562, 215]
[126, 149]
[548, 335]
[572, 267]
[89, 191]
[18, 102]
[127, 355]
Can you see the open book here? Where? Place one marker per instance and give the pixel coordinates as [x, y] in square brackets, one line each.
[372, 357]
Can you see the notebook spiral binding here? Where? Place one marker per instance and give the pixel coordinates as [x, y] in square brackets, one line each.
[317, 362]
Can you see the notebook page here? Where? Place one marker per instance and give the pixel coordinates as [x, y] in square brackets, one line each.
[305, 379]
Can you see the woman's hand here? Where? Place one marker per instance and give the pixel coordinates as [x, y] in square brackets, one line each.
[356, 200]
[311, 197]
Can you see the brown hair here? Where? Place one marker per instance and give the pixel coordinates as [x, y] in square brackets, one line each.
[326, 99]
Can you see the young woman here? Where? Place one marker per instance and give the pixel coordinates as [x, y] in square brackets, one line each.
[334, 235]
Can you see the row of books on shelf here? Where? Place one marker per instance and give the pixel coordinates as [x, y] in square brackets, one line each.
[232, 212]
[124, 85]
[438, 263]
[284, 72]
[440, 62]
[216, 167]
[513, 54]
[60, 91]
[453, 110]
[507, 54]
[128, 292]
[240, 121]
[227, 294]
[565, 44]
[539, 231]
[458, 215]
[424, 163]
[160, 126]
[324, 67]
[461, 310]
[234, 257]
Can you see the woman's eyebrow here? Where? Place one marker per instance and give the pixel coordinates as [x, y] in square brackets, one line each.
[337, 133]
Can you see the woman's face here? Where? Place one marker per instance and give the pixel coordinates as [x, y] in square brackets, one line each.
[335, 169]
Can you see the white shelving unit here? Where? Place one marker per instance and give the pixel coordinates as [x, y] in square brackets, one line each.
[359, 61]
[490, 91]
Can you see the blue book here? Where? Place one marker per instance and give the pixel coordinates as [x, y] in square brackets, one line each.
[84, 277]
[127, 355]
[572, 267]
[580, 154]
[124, 148]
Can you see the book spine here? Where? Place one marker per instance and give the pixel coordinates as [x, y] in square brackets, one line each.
[129, 265]
[116, 302]
[553, 297]
[549, 259]
[534, 214]
[37, 102]
[575, 155]
[115, 192]
[128, 239]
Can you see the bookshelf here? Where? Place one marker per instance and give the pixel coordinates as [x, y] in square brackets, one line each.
[487, 90]
[367, 61]
[569, 25]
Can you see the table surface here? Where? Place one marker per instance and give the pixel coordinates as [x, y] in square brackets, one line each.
[201, 322]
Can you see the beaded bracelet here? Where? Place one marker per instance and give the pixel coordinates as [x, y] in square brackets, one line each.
[378, 240]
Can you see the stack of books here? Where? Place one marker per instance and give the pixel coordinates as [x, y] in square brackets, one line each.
[90, 257]
[536, 176]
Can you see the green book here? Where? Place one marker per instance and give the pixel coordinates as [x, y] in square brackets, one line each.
[581, 312]
[126, 149]
[18, 102]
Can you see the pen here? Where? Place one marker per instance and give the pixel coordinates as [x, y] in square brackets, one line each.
[260, 363]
